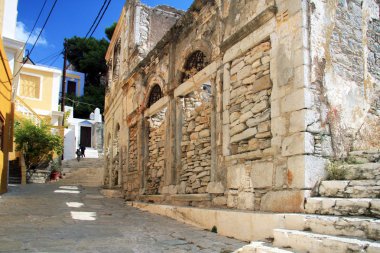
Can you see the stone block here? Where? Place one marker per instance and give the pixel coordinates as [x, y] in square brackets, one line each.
[258, 119]
[264, 127]
[249, 133]
[244, 72]
[215, 188]
[173, 189]
[238, 129]
[219, 201]
[283, 201]
[259, 107]
[250, 79]
[299, 143]
[304, 171]
[246, 200]
[237, 67]
[299, 120]
[245, 116]
[234, 176]
[262, 174]
[231, 200]
[234, 116]
[262, 83]
[238, 92]
[298, 100]
[204, 133]
[278, 126]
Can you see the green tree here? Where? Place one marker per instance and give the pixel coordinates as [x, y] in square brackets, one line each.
[36, 143]
[87, 56]
[110, 30]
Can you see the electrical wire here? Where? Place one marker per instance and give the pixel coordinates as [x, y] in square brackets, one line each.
[47, 58]
[43, 27]
[97, 16]
[34, 26]
[101, 17]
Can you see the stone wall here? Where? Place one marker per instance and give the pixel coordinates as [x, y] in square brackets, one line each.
[156, 161]
[344, 74]
[249, 104]
[195, 145]
[132, 152]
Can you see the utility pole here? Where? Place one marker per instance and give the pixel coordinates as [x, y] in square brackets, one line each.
[64, 81]
[63, 89]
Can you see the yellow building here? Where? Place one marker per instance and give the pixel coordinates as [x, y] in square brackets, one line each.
[6, 117]
[38, 93]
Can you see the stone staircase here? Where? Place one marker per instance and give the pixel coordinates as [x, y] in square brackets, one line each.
[87, 172]
[342, 216]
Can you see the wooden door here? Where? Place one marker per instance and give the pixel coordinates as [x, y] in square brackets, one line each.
[85, 136]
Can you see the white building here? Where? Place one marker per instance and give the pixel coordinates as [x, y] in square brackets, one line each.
[88, 132]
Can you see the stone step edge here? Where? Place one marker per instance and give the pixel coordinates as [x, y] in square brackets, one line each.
[341, 186]
[328, 223]
[261, 247]
[361, 243]
[370, 206]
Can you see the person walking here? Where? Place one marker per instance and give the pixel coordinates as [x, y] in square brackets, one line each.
[78, 153]
[82, 149]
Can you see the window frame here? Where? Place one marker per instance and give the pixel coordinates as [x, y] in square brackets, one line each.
[41, 77]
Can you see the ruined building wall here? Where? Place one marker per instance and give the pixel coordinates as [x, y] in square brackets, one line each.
[345, 60]
[248, 94]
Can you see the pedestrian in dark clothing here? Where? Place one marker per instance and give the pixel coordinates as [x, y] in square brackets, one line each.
[82, 149]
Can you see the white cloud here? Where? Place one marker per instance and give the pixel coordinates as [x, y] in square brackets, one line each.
[22, 34]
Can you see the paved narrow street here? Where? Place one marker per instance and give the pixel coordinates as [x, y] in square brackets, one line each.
[54, 218]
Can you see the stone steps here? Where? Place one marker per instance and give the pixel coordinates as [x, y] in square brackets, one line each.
[261, 247]
[350, 189]
[365, 171]
[307, 242]
[340, 206]
[365, 156]
[360, 227]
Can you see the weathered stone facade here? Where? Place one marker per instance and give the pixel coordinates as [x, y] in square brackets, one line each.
[241, 103]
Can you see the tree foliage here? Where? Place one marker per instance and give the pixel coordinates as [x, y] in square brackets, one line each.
[37, 143]
[87, 56]
[110, 30]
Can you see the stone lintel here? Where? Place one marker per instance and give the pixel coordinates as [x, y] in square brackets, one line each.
[191, 197]
[200, 77]
[249, 28]
[156, 107]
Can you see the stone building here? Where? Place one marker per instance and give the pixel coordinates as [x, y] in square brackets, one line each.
[239, 104]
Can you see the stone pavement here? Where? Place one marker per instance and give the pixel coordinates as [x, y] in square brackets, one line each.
[55, 218]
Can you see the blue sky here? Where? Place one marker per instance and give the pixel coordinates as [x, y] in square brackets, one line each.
[69, 18]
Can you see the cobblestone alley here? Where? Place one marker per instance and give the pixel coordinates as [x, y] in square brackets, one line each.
[54, 218]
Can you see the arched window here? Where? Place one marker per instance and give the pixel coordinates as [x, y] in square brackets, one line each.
[194, 63]
[155, 95]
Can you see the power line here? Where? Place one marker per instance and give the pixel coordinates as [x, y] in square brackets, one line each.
[43, 27]
[101, 17]
[47, 58]
[34, 26]
[97, 16]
